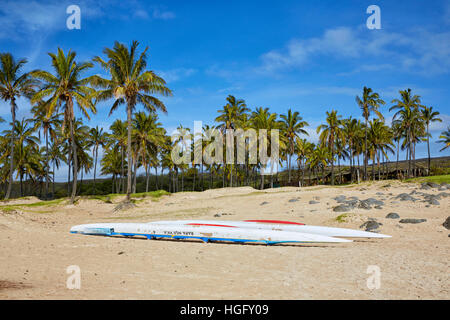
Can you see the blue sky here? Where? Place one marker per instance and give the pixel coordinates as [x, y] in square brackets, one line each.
[311, 56]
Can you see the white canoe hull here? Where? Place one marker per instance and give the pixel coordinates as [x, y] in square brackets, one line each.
[205, 233]
[287, 226]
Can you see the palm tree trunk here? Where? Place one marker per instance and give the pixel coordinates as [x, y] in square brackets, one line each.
[95, 167]
[201, 175]
[332, 165]
[146, 178]
[135, 174]
[46, 165]
[428, 143]
[156, 177]
[21, 187]
[11, 155]
[74, 155]
[128, 198]
[366, 160]
[53, 182]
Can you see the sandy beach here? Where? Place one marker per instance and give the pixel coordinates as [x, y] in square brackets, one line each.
[37, 248]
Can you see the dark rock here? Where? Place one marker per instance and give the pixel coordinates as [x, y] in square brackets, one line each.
[340, 199]
[378, 207]
[313, 202]
[412, 220]
[380, 194]
[263, 203]
[364, 205]
[293, 200]
[444, 194]
[405, 197]
[446, 224]
[370, 225]
[351, 203]
[341, 208]
[425, 186]
[434, 202]
[393, 215]
[433, 185]
[217, 215]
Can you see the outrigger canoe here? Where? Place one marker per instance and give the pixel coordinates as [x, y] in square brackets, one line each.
[278, 225]
[205, 233]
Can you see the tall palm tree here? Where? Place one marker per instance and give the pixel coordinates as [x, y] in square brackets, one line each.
[26, 146]
[148, 135]
[428, 115]
[369, 102]
[130, 84]
[232, 116]
[411, 121]
[262, 119]
[13, 85]
[292, 127]
[329, 133]
[66, 86]
[97, 138]
[48, 124]
[445, 136]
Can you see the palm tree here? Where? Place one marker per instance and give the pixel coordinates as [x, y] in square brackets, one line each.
[330, 133]
[428, 115]
[26, 145]
[148, 136]
[111, 164]
[97, 138]
[262, 119]
[232, 116]
[56, 156]
[292, 127]
[13, 85]
[48, 125]
[411, 122]
[445, 136]
[370, 102]
[130, 84]
[66, 86]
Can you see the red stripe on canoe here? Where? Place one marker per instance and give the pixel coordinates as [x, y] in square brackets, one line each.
[276, 222]
[210, 225]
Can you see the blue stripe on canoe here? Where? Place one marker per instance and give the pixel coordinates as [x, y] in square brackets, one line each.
[205, 239]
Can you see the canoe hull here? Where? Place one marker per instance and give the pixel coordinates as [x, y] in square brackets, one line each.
[204, 233]
[285, 226]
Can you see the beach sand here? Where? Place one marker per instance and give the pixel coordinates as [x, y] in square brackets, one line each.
[36, 249]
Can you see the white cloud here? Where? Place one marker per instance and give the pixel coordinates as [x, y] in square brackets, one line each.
[176, 74]
[163, 14]
[419, 51]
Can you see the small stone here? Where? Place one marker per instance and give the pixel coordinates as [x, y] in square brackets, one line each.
[434, 202]
[341, 208]
[313, 202]
[412, 220]
[293, 200]
[264, 203]
[393, 215]
[446, 224]
[217, 215]
[340, 199]
[370, 225]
